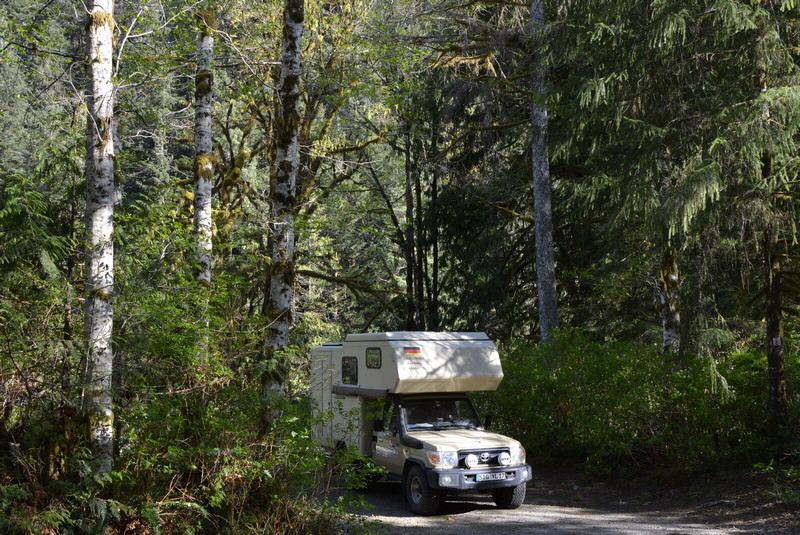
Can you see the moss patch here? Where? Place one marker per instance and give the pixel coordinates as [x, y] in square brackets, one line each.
[203, 81]
[204, 165]
[98, 19]
[207, 21]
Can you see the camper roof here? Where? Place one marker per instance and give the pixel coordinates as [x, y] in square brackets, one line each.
[410, 336]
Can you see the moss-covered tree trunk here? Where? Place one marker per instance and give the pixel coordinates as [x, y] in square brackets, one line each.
[542, 208]
[203, 166]
[100, 196]
[776, 358]
[204, 156]
[282, 195]
[669, 301]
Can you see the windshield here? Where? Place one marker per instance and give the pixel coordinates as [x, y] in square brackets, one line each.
[440, 414]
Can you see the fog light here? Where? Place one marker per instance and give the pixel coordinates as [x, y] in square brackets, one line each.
[504, 458]
[446, 481]
[471, 461]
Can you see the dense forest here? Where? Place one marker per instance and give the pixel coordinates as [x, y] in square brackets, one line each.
[193, 193]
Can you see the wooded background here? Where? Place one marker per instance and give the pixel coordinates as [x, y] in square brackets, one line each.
[194, 193]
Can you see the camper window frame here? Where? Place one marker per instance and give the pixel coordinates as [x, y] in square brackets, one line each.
[380, 358]
[354, 377]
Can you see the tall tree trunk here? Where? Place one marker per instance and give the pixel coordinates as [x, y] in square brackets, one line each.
[204, 156]
[420, 267]
[775, 346]
[433, 299]
[203, 164]
[282, 195]
[669, 300]
[100, 197]
[411, 302]
[542, 208]
[777, 402]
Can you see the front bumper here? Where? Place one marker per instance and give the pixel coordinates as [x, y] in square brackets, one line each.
[465, 479]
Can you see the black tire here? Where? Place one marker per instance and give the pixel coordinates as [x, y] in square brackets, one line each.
[420, 497]
[509, 497]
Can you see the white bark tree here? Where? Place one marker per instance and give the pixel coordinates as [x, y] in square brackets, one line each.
[204, 160]
[542, 208]
[204, 155]
[283, 193]
[100, 197]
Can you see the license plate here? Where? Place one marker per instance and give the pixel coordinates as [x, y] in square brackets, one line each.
[492, 476]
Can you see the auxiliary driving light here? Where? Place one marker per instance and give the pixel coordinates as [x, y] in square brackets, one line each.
[471, 461]
[504, 458]
[446, 481]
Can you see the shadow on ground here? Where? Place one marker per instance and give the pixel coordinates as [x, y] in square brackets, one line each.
[476, 514]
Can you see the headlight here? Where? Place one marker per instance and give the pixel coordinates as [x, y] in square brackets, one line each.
[517, 454]
[443, 459]
[471, 461]
[504, 458]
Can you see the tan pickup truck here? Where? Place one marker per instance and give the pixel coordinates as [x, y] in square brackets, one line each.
[401, 399]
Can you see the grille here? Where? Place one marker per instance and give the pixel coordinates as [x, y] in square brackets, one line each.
[490, 455]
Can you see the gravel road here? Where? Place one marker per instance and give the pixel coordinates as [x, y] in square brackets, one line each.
[476, 514]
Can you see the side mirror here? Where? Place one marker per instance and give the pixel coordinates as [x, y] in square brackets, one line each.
[487, 422]
[377, 424]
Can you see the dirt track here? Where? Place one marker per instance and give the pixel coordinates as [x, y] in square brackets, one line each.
[565, 505]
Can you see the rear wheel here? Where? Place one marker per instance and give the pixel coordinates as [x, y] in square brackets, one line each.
[509, 497]
[421, 498]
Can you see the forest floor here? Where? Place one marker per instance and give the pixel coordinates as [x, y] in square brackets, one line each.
[566, 502]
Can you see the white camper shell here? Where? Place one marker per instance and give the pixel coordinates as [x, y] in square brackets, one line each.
[370, 366]
[372, 389]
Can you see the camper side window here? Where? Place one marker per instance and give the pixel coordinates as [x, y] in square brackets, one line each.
[373, 357]
[350, 370]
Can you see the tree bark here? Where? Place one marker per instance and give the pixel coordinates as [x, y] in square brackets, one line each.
[775, 345]
[542, 208]
[669, 300]
[282, 195]
[100, 199]
[776, 359]
[420, 278]
[204, 160]
[433, 304]
[411, 303]
[204, 155]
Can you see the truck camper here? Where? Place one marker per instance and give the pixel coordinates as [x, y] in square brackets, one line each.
[401, 399]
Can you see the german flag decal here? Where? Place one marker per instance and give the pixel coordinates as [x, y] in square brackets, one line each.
[412, 351]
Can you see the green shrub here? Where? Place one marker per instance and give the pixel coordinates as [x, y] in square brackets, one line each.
[616, 404]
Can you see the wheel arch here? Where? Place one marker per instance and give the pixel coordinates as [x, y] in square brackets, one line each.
[411, 463]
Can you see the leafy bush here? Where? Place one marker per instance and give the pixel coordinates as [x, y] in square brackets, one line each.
[209, 472]
[617, 404]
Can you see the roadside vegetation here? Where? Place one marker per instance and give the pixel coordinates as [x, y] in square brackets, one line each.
[192, 194]
[620, 408]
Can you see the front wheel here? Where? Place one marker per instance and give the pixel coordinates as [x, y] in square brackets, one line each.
[509, 497]
[421, 498]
